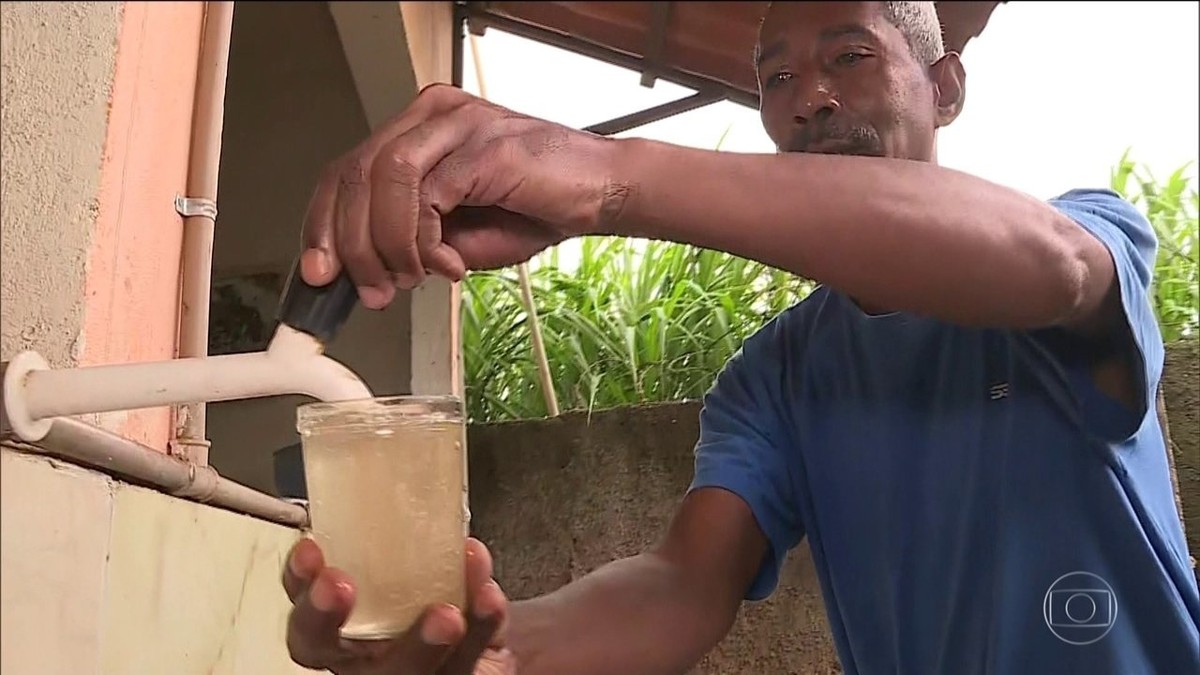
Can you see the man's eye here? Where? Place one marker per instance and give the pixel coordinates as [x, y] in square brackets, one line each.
[779, 78]
[850, 58]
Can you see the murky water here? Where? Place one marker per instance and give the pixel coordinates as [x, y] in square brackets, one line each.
[387, 508]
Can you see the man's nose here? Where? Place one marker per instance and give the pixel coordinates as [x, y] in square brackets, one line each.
[814, 103]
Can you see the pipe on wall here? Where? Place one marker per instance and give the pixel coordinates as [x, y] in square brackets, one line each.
[294, 363]
[199, 213]
[37, 402]
[100, 449]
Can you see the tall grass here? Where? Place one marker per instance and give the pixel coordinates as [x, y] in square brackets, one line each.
[646, 321]
[634, 322]
[1172, 207]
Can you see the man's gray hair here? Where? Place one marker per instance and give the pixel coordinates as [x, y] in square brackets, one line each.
[918, 23]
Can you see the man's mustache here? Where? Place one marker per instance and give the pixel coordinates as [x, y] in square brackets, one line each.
[813, 134]
[835, 138]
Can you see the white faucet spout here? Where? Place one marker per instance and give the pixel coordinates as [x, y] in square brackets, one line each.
[293, 363]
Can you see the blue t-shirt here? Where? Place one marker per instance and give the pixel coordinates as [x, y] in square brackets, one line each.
[973, 503]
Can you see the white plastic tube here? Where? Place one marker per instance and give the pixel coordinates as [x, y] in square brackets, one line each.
[292, 364]
[204, 165]
[72, 439]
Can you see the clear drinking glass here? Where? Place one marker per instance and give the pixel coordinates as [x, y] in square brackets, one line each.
[385, 481]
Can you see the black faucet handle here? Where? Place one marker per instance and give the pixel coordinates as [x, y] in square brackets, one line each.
[319, 311]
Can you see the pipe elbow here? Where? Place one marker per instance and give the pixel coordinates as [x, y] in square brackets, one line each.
[300, 357]
[327, 380]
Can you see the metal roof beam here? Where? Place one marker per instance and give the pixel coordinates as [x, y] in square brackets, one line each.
[658, 112]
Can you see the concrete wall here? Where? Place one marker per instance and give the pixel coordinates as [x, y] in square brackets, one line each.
[1181, 388]
[291, 107]
[111, 579]
[554, 499]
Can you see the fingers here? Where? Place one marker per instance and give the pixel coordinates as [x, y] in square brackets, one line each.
[354, 238]
[445, 188]
[433, 100]
[485, 630]
[404, 223]
[342, 232]
[490, 238]
[319, 263]
[443, 641]
[304, 562]
[478, 566]
[491, 609]
[488, 612]
[319, 612]
[424, 648]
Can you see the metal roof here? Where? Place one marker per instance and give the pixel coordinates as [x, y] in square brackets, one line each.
[706, 46]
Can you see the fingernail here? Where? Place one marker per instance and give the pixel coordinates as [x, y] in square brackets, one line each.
[294, 567]
[317, 262]
[321, 260]
[434, 634]
[323, 596]
[482, 613]
[371, 297]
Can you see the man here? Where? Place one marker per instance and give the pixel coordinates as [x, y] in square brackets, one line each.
[960, 420]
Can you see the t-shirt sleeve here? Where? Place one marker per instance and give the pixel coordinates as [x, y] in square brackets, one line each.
[1130, 240]
[743, 449]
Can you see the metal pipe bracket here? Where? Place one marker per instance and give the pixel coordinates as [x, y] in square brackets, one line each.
[192, 207]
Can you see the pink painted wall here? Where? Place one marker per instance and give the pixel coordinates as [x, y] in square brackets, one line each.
[132, 281]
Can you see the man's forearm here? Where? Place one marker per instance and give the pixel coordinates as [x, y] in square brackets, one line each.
[637, 616]
[893, 234]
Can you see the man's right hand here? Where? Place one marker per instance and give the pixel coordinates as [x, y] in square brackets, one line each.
[443, 642]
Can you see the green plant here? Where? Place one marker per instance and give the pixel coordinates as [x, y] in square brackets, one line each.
[635, 321]
[1172, 207]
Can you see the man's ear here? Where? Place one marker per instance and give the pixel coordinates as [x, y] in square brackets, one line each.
[950, 87]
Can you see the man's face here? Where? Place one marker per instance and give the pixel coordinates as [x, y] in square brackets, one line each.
[838, 78]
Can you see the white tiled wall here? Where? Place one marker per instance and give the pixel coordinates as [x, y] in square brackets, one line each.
[55, 522]
[106, 578]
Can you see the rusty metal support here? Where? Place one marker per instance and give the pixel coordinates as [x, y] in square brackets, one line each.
[656, 41]
[456, 42]
[658, 112]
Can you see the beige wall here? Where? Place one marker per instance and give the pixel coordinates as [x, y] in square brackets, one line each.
[111, 579]
[291, 107]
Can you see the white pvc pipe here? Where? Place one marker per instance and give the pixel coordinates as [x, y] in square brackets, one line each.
[292, 364]
[204, 164]
[107, 451]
